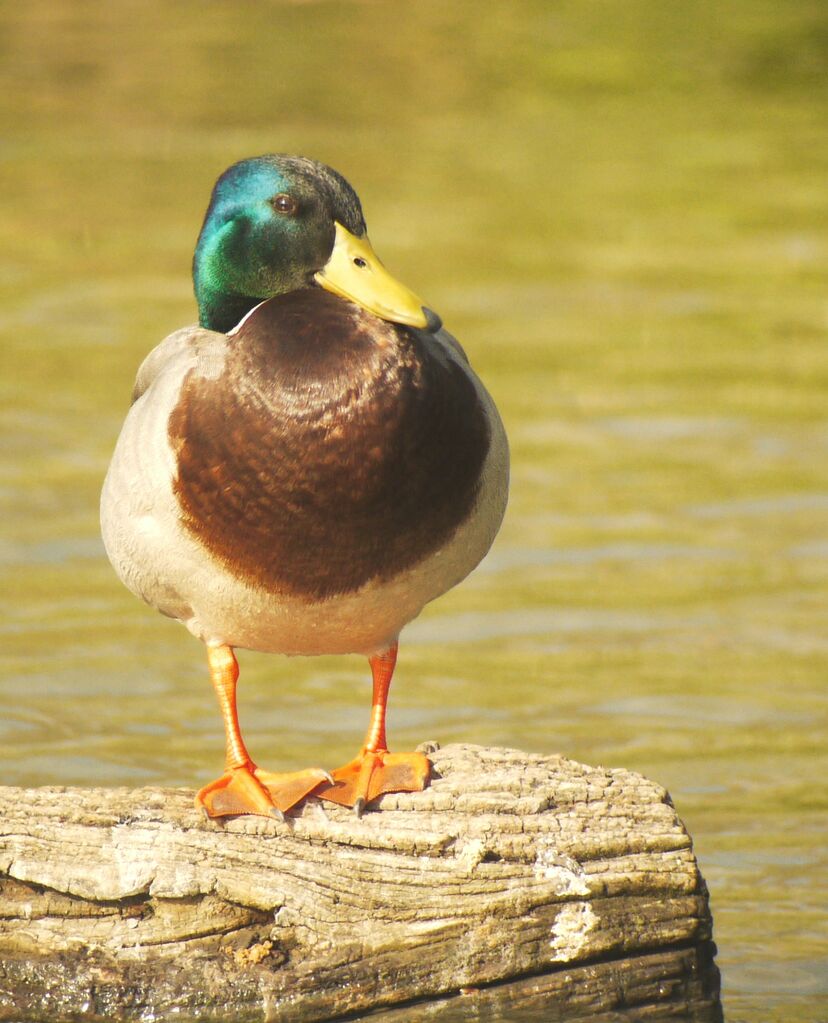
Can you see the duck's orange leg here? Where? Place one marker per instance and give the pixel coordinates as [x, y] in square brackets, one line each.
[375, 770]
[244, 788]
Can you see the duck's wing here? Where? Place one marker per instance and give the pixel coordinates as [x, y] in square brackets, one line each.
[189, 347]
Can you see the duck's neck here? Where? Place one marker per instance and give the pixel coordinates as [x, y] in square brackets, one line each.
[219, 286]
[218, 310]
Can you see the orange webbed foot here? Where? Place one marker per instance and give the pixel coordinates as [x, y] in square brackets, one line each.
[243, 788]
[249, 790]
[375, 772]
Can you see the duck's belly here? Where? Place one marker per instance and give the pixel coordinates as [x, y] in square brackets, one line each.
[158, 558]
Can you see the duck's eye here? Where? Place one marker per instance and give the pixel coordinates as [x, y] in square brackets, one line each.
[284, 203]
[360, 262]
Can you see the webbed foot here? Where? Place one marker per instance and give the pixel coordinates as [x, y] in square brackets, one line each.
[249, 790]
[375, 772]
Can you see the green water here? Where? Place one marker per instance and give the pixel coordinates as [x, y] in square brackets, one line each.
[621, 210]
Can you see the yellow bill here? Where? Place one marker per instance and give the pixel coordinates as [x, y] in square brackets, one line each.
[354, 272]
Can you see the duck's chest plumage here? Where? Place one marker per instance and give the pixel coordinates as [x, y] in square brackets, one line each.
[311, 485]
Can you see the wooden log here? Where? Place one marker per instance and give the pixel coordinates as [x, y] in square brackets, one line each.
[577, 885]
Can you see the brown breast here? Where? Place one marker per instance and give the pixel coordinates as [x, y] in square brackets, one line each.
[334, 449]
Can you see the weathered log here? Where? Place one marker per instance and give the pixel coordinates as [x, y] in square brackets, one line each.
[580, 881]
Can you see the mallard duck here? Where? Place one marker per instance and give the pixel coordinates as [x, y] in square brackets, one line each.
[305, 469]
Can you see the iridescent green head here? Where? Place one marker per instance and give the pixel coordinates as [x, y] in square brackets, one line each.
[278, 223]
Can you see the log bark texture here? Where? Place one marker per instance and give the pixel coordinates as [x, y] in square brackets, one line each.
[577, 885]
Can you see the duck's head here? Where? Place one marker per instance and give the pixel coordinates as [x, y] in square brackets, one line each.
[278, 223]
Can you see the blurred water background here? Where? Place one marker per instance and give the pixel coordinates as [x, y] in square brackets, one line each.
[621, 211]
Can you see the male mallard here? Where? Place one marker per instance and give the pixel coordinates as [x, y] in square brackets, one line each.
[308, 467]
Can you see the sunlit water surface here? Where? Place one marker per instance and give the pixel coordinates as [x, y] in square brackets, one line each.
[621, 210]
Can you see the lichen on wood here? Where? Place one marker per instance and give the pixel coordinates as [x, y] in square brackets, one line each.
[509, 868]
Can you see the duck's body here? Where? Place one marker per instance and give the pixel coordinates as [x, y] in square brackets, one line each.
[304, 498]
[300, 475]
